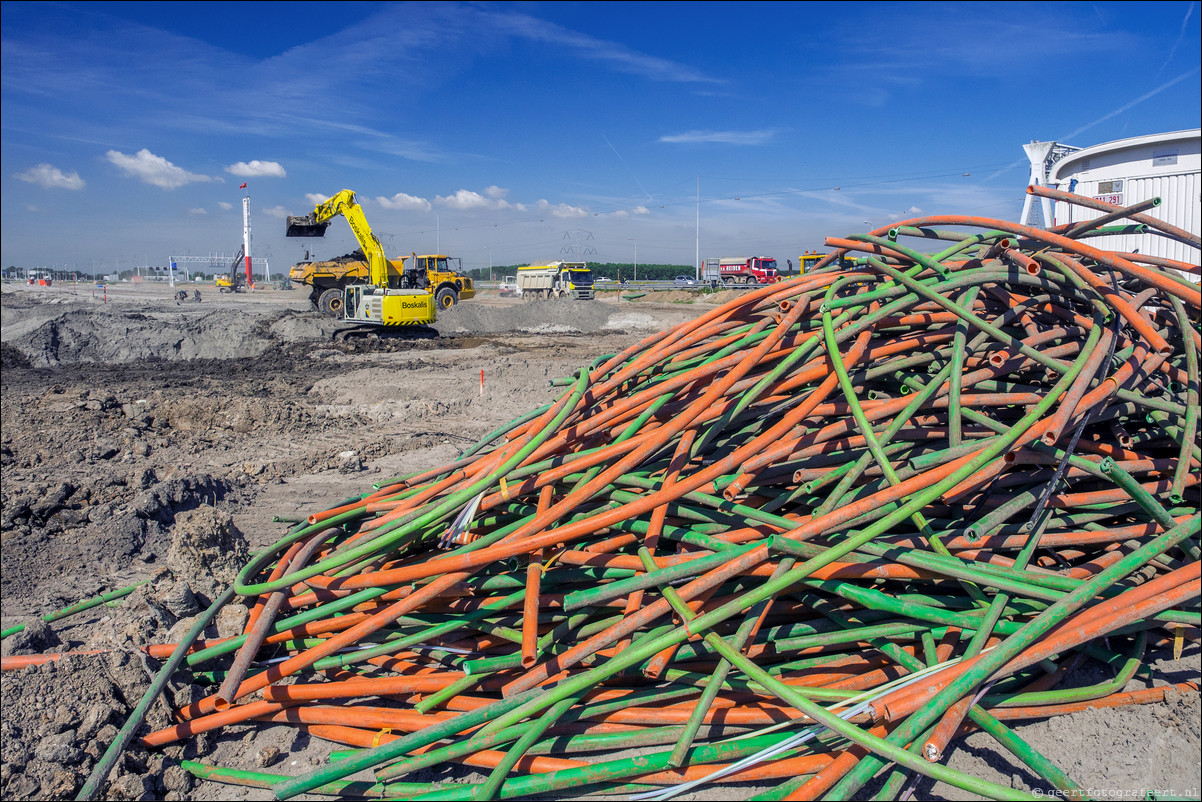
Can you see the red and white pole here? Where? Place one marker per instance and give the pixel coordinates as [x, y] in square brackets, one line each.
[246, 237]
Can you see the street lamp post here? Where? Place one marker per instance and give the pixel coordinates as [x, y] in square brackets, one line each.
[636, 257]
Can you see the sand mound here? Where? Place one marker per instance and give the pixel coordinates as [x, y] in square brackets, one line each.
[41, 334]
[207, 548]
[117, 336]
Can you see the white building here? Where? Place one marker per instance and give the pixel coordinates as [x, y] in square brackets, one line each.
[1125, 172]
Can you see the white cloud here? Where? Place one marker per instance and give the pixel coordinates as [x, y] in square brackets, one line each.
[257, 169]
[316, 198]
[225, 206]
[50, 177]
[561, 209]
[722, 137]
[198, 211]
[466, 199]
[405, 202]
[278, 212]
[154, 170]
[624, 214]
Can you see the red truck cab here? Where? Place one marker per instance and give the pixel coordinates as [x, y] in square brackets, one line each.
[747, 269]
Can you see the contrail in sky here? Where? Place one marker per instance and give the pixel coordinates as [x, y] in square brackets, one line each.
[627, 166]
[1184, 23]
[1106, 117]
[1135, 102]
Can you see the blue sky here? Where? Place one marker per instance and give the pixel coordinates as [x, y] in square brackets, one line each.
[513, 131]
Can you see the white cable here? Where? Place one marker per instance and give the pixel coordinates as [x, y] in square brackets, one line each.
[862, 702]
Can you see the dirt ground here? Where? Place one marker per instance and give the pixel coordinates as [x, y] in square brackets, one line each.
[148, 440]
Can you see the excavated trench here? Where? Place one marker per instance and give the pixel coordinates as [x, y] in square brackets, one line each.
[149, 441]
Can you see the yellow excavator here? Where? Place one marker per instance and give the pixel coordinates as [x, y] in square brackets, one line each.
[233, 281]
[376, 303]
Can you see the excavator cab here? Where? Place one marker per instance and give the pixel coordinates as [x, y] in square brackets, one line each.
[366, 304]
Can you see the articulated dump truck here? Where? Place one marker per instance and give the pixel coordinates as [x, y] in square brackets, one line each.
[328, 280]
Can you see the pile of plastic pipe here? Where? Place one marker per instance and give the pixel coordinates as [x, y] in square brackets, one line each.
[806, 538]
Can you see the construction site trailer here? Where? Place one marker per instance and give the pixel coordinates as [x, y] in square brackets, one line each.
[1125, 172]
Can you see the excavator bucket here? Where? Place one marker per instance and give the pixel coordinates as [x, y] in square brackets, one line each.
[305, 227]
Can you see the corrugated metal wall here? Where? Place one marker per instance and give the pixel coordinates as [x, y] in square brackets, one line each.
[1180, 206]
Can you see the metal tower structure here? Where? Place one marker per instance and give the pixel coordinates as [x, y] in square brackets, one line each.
[578, 244]
[1043, 156]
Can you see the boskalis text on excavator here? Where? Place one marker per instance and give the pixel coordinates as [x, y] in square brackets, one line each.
[377, 302]
[329, 280]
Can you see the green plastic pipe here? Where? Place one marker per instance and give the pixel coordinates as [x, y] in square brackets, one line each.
[79, 607]
[112, 754]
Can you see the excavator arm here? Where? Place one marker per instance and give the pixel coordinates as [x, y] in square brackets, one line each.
[316, 222]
